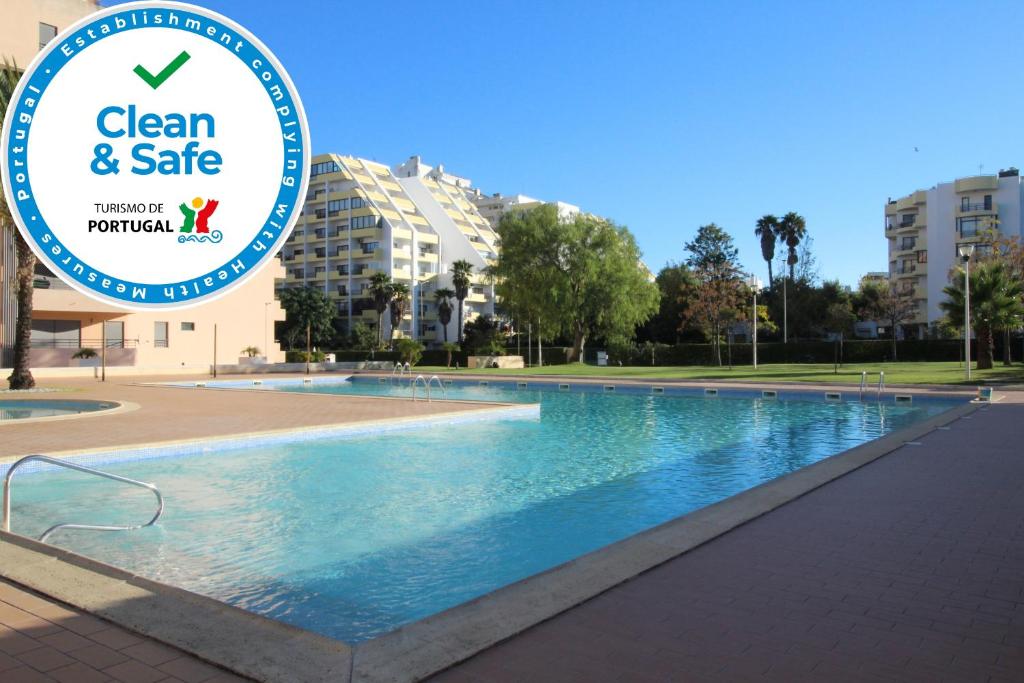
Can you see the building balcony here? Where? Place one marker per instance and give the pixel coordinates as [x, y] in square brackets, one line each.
[979, 209]
[977, 183]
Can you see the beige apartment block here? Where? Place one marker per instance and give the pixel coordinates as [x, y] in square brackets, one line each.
[924, 229]
[411, 222]
[65, 321]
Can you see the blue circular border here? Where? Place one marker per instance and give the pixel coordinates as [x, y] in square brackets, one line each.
[33, 86]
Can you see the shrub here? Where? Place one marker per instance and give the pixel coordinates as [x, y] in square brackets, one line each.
[85, 353]
[301, 357]
[251, 351]
[409, 351]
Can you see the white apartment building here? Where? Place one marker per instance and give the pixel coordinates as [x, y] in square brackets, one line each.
[492, 206]
[925, 228]
[411, 221]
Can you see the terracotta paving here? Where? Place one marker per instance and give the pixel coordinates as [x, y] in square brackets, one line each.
[42, 641]
[168, 414]
[908, 569]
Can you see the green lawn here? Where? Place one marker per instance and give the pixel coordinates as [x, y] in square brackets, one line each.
[895, 373]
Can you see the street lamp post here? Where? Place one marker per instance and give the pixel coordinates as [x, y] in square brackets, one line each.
[755, 287]
[966, 251]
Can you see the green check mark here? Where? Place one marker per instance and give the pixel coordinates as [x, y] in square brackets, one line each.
[168, 71]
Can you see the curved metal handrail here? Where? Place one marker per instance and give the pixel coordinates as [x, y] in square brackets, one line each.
[400, 370]
[444, 391]
[881, 384]
[426, 385]
[80, 468]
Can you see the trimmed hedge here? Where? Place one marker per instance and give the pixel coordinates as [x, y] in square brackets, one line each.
[854, 351]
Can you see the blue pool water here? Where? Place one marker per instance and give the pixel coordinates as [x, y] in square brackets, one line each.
[352, 537]
[20, 409]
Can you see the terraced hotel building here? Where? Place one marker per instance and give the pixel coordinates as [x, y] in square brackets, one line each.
[411, 222]
[925, 228]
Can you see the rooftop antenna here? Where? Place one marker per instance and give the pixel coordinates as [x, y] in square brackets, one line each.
[980, 166]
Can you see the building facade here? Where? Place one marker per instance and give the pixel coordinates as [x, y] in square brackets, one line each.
[492, 206]
[924, 230]
[65, 321]
[411, 221]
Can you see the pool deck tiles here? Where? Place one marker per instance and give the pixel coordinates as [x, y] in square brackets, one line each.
[42, 641]
[910, 568]
[164, 414]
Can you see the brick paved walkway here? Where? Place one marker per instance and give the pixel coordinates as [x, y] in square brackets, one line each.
[41, 641]
[167, 414]
[908, 569]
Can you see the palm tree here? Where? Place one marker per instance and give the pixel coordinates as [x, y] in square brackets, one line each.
[21, 375]
[380, 289]
[461, 272]
[768, 230]
[792, 229]
[444, 297]
[995, 304]
[399, 304]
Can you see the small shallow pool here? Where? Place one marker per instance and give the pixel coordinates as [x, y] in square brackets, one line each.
[23, 409]
[354, 536]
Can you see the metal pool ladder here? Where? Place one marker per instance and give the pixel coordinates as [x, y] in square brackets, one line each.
[400, 369]
[87, 470]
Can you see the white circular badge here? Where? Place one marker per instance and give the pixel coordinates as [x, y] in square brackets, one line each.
[155, 155]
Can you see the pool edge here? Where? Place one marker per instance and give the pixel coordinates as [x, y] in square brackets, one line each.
[200, 625]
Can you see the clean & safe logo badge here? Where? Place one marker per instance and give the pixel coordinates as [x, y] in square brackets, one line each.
[155, 155]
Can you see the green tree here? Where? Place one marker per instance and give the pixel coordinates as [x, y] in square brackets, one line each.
[839, 319]
[462, 271]
[716, 299]
[24, 275]
[484, 337]
[792, 229]
[672, 281]
[995, 304]
[307, 306]
[580, 276]
[768, 231]
[444, 297]
[712, 251]
[399, 305]
[409, 351]
[361, 336]
[449, 348]
[893, 306]
[380, 290]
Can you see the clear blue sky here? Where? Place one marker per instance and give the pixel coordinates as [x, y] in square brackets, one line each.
[668, 115]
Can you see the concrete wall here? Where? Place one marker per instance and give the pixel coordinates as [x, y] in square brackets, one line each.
[244, 317]
[19, 24]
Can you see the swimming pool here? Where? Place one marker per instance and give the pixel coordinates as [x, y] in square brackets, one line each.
[352, 537]
[23, 409]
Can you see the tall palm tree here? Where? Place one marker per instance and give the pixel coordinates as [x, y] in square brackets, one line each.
[792, 229]
[21, 376]
[399, 305]
[380, 290]
[444, 297]
[461, 272]
[995, 304]
[768, 230]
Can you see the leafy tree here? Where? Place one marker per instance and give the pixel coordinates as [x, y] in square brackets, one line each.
[449, 348]
[792, 229]
[672, 281]
[712, 250]
[714, 301]
[21, 374]
[399, 305]
[839, 319]
[484, 337]
[995, 304]
[580, 276]
[768, 231]
[307, 306]
[380, 290]
[361, 336]
[409, 351]
[444, 297]
[462, 271]
[893, 306]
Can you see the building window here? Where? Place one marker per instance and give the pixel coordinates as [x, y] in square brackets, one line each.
[370, 247]
[922, 256]
[357, 203]
[972, 226]
[46, 34]
[188, 327]
[57, 334]
[988, 202]
[965, 203]
[323, 167]
[160, 335]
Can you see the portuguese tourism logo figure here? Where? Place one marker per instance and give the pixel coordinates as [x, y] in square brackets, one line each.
[199, 221]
